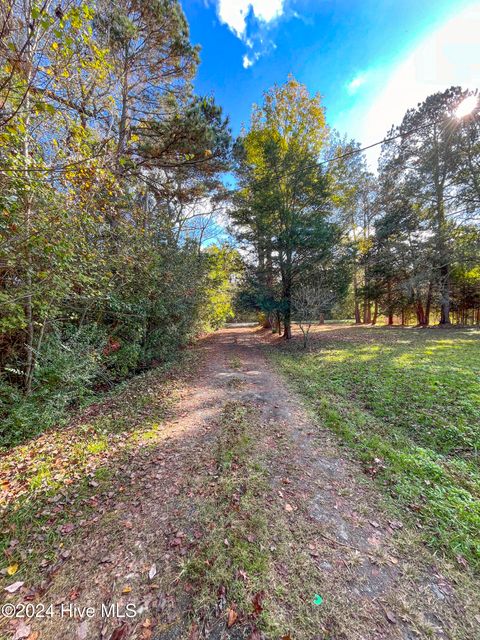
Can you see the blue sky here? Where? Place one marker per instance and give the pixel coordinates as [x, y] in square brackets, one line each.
[369, 59]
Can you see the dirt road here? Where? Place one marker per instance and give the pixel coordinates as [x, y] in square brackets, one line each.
[335, 564]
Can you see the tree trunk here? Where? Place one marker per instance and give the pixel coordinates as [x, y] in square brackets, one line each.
[279, 323]
[375, 313]
[443, 261]
[367, 312]
[287, 324]
[389, 303]
[286, 273]
[444, 295]
[358, 319]
[428, 305]
[30, 360]
[420, 314]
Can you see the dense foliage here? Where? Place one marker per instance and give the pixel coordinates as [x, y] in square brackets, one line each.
[109, 182]
[414, 228]
[283, 205]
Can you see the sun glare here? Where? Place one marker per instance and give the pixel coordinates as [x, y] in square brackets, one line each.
[466, 107]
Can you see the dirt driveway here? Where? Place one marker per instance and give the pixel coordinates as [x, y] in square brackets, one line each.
[332, 562]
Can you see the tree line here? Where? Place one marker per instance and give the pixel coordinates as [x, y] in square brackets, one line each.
[112, 182]
[325, 235]
[110, 178]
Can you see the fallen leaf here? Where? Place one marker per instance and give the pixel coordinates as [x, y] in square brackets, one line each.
[153, 571]
[126, 589]
[22, 631]
[82, 630]
[288, 507]
[67, 528]
[232, 616]
[34, 635]
[14, 587]
[119, 632]
[375, 542]
[12, 569]
[258, 602]
[390, 617]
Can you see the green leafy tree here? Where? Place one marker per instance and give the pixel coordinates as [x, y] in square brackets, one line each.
[423, 162]
[283, 201]
[224, 272]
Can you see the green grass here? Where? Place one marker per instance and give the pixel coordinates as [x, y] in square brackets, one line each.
[234, 555]
[408, 403]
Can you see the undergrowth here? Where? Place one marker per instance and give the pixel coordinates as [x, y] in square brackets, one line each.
[54, 484]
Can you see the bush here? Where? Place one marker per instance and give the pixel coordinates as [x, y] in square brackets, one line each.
[66, 369]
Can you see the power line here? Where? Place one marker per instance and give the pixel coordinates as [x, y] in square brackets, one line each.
[375, 144]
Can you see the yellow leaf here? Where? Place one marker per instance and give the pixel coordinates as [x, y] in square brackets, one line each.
[12, 569]
[126, 589]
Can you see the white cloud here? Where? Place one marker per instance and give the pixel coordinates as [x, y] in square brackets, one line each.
[247, 62]
[356, 83]
[448, 56]
[234, 12]
[250, 59]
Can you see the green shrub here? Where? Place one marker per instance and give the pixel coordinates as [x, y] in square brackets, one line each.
[67, 367]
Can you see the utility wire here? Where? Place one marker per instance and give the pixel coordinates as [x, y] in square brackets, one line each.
[375, 144]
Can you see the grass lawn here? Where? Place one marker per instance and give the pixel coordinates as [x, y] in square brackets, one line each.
[407, 401]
